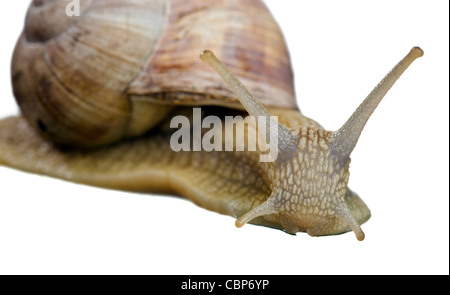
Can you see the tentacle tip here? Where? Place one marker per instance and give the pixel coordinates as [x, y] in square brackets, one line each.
[417, 51]
[360, 235]
[206, 54]
[239, 223]
[261, 210]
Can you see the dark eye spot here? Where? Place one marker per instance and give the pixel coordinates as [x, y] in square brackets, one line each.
[38, 3]
[16, 76]
[41, 125]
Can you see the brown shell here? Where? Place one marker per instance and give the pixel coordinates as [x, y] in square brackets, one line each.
[118, 68]
[243, 34]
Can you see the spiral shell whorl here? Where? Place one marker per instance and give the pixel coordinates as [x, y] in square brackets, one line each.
[45, 21]
[70, 75]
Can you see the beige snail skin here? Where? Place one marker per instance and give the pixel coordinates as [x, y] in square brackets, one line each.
[103, 118]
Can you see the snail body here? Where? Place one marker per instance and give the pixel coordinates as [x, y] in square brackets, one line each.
[303, 189]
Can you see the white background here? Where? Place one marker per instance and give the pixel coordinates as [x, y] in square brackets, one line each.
[340, 50]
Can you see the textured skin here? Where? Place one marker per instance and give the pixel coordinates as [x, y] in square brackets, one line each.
[207, 178]
[310, 187]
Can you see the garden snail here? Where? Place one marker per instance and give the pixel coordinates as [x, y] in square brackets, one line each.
[98, 134]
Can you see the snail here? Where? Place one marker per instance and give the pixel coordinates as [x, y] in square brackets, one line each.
[98, 91]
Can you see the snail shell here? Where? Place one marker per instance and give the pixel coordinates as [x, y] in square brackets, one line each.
[119, 68]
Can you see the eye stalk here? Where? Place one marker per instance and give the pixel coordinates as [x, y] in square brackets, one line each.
[251, 104]
[347, 136]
